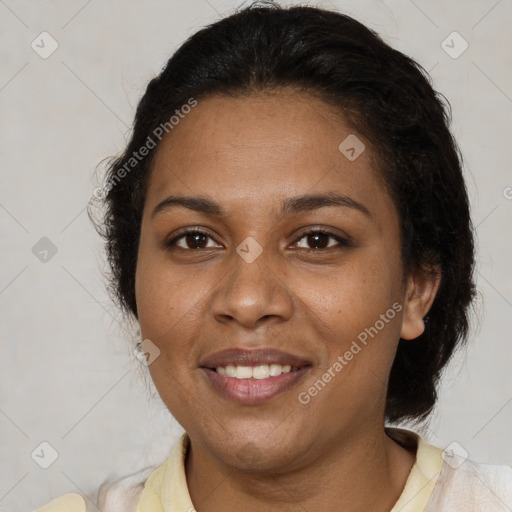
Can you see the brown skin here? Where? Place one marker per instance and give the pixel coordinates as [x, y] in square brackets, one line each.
[248, 155]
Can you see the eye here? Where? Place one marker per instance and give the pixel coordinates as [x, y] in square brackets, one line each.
[320, 239]
[192, 239]
[198, 239]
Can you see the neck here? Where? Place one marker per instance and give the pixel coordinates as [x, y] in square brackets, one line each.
[367, 473]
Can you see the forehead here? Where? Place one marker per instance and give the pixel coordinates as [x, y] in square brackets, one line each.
[259, 149]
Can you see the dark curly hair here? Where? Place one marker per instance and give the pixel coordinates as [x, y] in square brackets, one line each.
[385, 96]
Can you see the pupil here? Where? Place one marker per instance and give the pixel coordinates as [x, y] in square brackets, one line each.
[194, 240]
[313, 238]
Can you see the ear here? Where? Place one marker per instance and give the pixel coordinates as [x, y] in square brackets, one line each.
[421, 290]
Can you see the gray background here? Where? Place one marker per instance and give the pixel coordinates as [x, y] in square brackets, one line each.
[68, 376]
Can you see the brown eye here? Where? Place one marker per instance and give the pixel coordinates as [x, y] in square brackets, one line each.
[195, 240]
[318, 239]
[192, 239]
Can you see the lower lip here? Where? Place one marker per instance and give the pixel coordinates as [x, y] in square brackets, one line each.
[253, 391]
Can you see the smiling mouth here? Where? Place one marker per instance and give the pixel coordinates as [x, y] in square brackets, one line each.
[253, 376]
[252, 385]
[263, 371]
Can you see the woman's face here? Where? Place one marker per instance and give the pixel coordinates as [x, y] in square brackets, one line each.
[257, 174]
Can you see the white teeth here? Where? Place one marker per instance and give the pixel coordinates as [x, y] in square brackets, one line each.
[243, 372]
[261, 372]
[255, 372]
[230, 371]
[277, 369]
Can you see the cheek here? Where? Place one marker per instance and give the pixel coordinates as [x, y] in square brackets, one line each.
[163, 295]
[352, 296]
[354, 310]
[171, 307]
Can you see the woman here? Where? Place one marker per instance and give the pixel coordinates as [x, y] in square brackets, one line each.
[290, 227]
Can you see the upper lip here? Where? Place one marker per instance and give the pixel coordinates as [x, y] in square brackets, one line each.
[255, 357]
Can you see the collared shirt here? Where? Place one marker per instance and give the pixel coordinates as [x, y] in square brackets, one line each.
[439, 481]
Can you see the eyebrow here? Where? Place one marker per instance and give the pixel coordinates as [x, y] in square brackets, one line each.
[290, 206]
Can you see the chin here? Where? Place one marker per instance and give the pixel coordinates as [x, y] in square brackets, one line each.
[258, 453]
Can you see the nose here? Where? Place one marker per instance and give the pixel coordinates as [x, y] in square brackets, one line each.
[252, 292]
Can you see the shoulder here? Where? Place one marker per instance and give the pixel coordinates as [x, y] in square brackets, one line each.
[71, 502]
[123, 495]
[443, 481]
[472, 486]
[113, 496]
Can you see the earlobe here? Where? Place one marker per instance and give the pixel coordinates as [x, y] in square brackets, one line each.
[420, 293]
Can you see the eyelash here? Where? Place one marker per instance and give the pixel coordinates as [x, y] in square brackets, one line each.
[342, 242]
